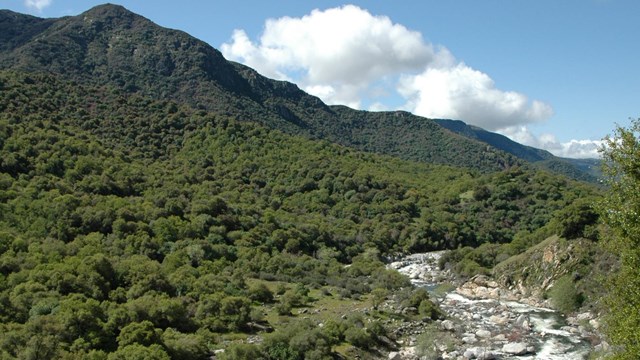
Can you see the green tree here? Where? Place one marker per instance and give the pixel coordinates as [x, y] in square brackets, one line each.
[577, 220]
[139, 352]
[620, 211]
[564, 295]
[142, 333]
[261, 293]
[81, 318]
[378, 296]
[184, 346]
[241, 352]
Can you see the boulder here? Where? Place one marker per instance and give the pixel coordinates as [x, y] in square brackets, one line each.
[469, 339]
[480, 280]
[469, 354]
[522, 320]
[479, 353]
[500, 320]
[484, 354]
[409, 310]
[584, 316]
[515, 348]
[394, 355]
[500, 338]
[448, 325]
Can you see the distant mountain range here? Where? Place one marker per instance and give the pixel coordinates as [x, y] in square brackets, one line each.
[583, 169]
[111, 46]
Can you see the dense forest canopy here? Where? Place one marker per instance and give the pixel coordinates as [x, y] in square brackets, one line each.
[158, 201]
[136, 223]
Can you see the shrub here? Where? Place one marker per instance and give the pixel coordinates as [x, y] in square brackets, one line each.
[429, 309]
[564, 295]
[261, 293]
[358, 337]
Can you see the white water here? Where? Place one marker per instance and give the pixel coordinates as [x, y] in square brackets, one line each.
[545, 333]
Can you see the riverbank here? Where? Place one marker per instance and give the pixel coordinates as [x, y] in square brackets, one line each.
[486, 321]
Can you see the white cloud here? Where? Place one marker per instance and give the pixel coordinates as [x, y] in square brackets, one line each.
[460, 92]
[37, 4]
[342, 54]
[570, 149]
[344, 49]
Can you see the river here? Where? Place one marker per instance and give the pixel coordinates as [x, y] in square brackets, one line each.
[489, 325]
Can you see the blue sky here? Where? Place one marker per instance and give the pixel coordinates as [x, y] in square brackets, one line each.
[553, 74]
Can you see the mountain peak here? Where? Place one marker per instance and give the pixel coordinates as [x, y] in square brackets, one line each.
[110, 13]
[109, 8]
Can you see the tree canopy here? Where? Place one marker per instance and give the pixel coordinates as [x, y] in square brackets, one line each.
[135, 224]
[620, 209]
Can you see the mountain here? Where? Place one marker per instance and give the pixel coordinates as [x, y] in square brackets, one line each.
[159, 202]
[109, 45]
[498, 141]
[135, 227]
[580, 169]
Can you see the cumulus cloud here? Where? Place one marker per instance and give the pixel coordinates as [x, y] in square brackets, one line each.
[37, 4]
[460, 92]
[338, 53]
[579, 149]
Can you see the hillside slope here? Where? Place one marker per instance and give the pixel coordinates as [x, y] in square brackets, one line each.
[145, 227]
[111, 46]
[580, 169]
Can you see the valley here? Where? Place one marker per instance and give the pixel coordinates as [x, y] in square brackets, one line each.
[160, 202]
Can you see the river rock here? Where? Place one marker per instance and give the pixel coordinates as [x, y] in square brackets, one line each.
[469, 339]
[500, 320]
[522, 321]
[518, 348]
[485, 354]
[479, 308]
[469, 354]
[448, 325]
[479, 353]
[500, 338]
[584, 316]
[476, 291]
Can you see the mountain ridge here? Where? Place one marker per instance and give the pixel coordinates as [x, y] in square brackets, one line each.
[109, 44]
[581, 169]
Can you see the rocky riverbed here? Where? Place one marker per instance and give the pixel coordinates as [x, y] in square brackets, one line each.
[486, 321]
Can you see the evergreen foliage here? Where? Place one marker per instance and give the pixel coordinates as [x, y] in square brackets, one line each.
[619, 210]
[137, 239]
[154, 197]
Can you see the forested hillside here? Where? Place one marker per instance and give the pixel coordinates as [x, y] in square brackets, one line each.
[135, 225]
[158, 201]
[110, 46]
[580, 169]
